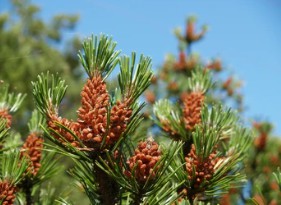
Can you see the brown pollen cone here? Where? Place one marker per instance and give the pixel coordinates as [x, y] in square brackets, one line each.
[190, 31]
[191, 63]
[73, 126]
[204, 168]
[226, 84]
[92, 115]
[191, 36]
[7, 193]
[173, 86]
[180, 65]
[150, 96]
[119, 119]
[215, 65]
[192, 105]
[143, 161]
[225, 199]
[4, 113]
[166, 126]
[260, 141]
[32, 149]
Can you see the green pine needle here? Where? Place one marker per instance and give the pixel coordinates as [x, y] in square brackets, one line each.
[99, 55]
[200, 81]
[171, 114]
[277, 176]
[35, 122]
[10, 101]
[82, 172]
[3, 129]
[13, 166]
[134, 79]
[48, 92]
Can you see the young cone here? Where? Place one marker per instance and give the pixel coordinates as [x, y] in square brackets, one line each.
[7, 193]
[53, 122]
[9, 103]
[92, 115]
[142, 163]
[4, 113]
[119, 118]
[190, 35]
[32, 149]
[192, 105]
[204, 168]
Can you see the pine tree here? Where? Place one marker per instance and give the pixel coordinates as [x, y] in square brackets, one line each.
[195, 154]
[203, 162]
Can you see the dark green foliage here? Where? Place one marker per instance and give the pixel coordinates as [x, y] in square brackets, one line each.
[29, 46]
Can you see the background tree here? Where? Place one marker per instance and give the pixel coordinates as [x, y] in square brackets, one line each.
[171, 82]
[29, 46]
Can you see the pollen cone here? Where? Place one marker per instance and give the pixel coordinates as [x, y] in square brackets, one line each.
[192, 105]
[32, 149]
[73, 126]
[142, 163]
[92, 115]
[204, 168]
[119, 119]
[191, 36]
[4, 113]
[7, 193]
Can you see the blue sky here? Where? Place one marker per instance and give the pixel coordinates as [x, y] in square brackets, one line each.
[245, 34]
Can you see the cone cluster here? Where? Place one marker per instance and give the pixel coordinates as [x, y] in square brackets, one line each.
[150, 96]
[4, 113]
[260, 141]
[92, 115]
[191, 35]
[166, 126]
[7, 193]
[204, 168]
[119, 118]
[192, 105]
[185, 63]
[142, 163]
[53, 119]
[215, 65]
[32, 149]
[92, 126]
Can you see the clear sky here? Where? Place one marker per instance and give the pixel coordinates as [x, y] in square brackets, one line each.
[245, 34]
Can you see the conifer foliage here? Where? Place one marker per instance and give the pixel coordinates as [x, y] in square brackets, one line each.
[196, 155]
[202, 163]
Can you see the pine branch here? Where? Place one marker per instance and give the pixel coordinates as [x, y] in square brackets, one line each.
[9, 101]
[13, 166]
[134, 122]
[67, 148]
[134, 79]
[169, 118]
[200, 81]
[3, 130]
[48, 169]
[277, 176]
[150, 190]
[220, 119]
[48, 92]
[98, 56]
[82, 172]
[217, 124]
[35, 122]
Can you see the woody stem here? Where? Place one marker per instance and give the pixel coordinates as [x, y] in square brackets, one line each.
[108, 188]
[27, 187]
